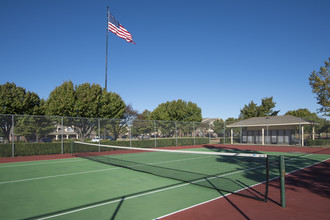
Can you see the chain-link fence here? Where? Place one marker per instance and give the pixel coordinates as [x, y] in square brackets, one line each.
[22, 135]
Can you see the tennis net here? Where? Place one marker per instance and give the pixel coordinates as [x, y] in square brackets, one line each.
[240, 173]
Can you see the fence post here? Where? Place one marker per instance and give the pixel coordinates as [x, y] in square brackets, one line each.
[130, 135]
[194, 133]
[210, 133]
[12, 137]
[155, 134]
[224, 132]
[176, 134]
[99, 129]
[62, 145]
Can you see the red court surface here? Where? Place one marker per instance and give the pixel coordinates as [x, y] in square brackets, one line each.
[307, 197]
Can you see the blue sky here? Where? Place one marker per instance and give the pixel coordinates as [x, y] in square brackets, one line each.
[219, 54]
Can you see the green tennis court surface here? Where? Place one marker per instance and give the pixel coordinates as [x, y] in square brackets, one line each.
[142, 185]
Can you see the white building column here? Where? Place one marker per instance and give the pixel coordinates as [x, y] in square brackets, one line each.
[56, 137]
[263, 136]
[231, 136]
[313, 133]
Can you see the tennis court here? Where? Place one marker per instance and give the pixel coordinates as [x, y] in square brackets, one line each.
[126, 184]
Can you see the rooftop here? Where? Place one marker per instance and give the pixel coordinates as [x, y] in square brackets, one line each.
[270, 121]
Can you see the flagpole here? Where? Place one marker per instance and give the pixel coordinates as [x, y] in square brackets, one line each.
[106, 51]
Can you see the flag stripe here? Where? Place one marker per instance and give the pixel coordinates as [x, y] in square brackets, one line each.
[119, 30]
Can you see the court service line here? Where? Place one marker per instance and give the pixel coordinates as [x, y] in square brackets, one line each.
[193, 206]
[148, 193]
[43, 163]
[94, 171]
[74, 159]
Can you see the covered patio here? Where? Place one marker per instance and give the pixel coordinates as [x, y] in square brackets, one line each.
[279, 130]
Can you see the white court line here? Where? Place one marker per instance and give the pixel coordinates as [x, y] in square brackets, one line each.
[94, 171]
[75, 159]
[148, 193]
[153, 192]
[181, 210]
[63, 160]
[43, 163]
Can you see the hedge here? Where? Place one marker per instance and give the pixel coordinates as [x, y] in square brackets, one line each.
[29, 149]
[318, 142]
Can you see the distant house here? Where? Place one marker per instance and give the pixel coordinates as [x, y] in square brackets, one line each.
[209, 123]
[271, 130]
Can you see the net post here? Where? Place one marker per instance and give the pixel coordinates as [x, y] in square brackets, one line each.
[267, 178]
[282, 180]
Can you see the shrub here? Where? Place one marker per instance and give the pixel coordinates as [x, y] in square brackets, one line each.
[318, 142]
[29, 149]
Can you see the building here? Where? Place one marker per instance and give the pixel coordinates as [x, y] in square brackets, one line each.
[271, 130]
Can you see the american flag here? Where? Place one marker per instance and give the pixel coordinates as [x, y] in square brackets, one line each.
[119, 30]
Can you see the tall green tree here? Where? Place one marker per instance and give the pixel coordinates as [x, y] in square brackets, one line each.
[321, 125]
[177, 111]
[61, 101]
[253, 110]
[320, 83]
[86, 101]
[15, 100]
[301, 113]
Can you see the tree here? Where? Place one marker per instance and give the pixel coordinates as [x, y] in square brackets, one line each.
[118, 127]
[319, 81]
[253, 110]
[61, 101]
[142, 124]
[181, 111]
[301, 113]
[321, 125]
[249, 111]
[34, 127]
[218, 126]
[86, 101]
[177, 111]
[15, 100]
[111, 105]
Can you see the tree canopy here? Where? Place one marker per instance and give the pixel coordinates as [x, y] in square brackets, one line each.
[319, 81]
[253, 110]
[84, 100]
[16, 100]
[301, 113]
[177, 111]
[87, 102]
